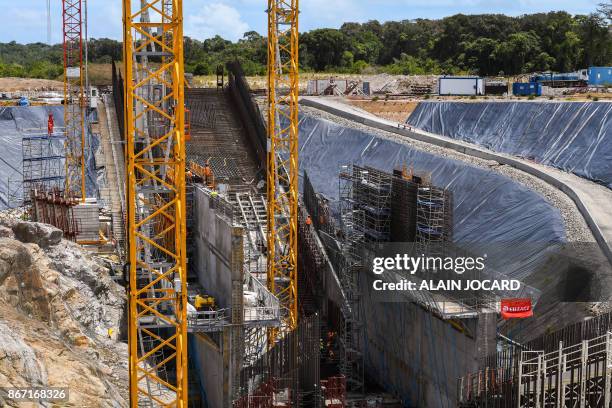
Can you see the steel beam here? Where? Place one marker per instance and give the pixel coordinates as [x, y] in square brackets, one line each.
[74, 99]
[282, 157]
[155, 162]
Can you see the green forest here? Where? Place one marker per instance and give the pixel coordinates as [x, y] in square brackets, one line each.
[488, 44]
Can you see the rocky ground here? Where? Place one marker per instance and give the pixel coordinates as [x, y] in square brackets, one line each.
[57, 304]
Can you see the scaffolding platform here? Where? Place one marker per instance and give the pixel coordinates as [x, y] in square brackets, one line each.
[43, 161]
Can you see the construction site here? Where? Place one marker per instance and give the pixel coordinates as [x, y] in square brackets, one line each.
[164, 244]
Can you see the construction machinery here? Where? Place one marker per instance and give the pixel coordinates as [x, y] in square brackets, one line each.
[155, 157]
[204, 302]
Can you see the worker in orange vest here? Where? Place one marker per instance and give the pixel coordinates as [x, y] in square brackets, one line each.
[50, 124]
[208, 175]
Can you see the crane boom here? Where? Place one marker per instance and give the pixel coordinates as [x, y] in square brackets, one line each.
[155, 159]
[74, 99]
[283, 157]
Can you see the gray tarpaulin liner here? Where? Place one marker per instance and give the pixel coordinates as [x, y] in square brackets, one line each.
[488, 207]
[16, 122]
[573, 136]
[409, 352]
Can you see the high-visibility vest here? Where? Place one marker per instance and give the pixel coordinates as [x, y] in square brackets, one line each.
[50, 124]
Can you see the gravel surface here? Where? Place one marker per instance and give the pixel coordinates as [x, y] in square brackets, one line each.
[576, 228]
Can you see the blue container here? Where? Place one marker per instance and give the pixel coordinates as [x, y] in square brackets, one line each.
[600, 76]
[527, 88]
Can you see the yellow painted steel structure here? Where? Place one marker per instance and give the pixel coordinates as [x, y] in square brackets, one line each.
[283, 80]
[74, 99]
[155, 161]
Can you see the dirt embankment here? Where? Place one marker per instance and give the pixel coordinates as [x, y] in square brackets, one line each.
[397, 111]
[29, 84]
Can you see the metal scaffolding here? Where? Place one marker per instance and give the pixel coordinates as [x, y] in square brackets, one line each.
[571, 367]
[352, 222]
[287, 374]
[50, 206]
[434, 215]
[578, 375]
[367, 192]
[43, 164]
[155, 147]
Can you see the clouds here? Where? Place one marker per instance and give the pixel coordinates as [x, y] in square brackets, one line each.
[25, 21]
[215, 19]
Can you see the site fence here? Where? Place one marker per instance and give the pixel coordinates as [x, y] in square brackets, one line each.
[571, 367]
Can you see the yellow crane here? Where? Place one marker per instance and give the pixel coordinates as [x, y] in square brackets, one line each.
[74, 99]
[155, 161]
[283, 92]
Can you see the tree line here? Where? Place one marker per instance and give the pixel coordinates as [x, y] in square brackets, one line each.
[487, 44]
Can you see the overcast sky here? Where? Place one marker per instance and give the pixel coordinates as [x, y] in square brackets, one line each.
[25, 20]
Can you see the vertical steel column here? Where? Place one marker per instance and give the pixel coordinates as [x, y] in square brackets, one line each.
[283, 157]
[74, 98]
[155, 148]
[584, 358]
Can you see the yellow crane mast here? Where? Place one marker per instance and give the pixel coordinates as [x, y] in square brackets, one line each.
[282, 154]
[155, 161]
[74, 99]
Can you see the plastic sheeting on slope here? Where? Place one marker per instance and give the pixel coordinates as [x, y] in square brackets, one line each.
[402, 341]
[488, 208]
[16, 122]
[573, 136]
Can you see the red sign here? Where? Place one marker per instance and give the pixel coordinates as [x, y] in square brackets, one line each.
[516, 308]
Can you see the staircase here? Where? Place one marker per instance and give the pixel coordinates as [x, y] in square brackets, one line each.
[113, 192]
[252, 210]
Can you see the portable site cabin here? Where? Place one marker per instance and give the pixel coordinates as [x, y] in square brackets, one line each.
[527, 88]
[600, 76]
[463, 86]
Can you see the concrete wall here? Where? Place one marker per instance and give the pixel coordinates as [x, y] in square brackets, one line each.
[415, 355]
[210, 363]
[214, 250]
[218, 259]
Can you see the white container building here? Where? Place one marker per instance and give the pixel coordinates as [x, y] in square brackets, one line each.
[464, 85]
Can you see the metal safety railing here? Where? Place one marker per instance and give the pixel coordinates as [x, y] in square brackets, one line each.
[578, 375]
[207, 320]
[253, 314]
